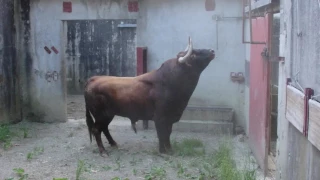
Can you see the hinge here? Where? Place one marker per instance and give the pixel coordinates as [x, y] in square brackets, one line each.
[266, 56]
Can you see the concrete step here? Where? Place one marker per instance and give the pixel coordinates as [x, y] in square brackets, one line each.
[204, 126]
[208, 113]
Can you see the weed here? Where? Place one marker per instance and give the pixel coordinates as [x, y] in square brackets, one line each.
[134, 171]
[36, 151]
[117, 178]
[106, 168]
[189, 147]
[156, 173]
[29, 156]
[5, 136]
[118, 162]
[60, 178]
[25, 132]
[80, 169]
[20, 172]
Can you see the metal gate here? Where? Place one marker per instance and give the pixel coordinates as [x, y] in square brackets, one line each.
[99, 47]
[259, 91]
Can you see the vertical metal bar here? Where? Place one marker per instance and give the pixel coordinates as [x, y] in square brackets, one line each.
[250, 26]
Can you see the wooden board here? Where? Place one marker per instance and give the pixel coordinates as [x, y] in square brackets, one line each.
[295, 107]
[314, 123]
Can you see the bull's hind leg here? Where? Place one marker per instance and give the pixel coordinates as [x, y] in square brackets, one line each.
[97, 134]
[106, 132]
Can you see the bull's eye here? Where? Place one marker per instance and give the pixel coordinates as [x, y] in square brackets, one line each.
[193, 56]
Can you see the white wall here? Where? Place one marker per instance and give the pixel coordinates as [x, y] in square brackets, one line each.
[46, 30]
[164, 27]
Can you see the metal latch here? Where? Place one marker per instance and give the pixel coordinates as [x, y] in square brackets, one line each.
[266, 56]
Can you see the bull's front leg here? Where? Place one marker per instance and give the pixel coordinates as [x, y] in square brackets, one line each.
[161, 135]
[167, 142]
[164, 131]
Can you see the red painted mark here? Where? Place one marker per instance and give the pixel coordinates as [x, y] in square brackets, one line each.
[210, 5]
[133, 6]
[47, 49]
[54, 50]
[141, 60]
[67, 7]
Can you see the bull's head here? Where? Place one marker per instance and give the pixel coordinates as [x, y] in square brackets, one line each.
[196, 57]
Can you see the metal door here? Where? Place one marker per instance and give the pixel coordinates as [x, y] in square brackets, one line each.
[259, 91]
[99, 47]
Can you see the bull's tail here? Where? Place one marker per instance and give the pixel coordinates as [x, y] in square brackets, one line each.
[90, 122]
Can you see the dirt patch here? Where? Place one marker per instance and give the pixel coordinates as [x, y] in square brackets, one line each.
[56, 150]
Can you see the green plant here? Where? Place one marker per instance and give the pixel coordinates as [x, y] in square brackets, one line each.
[25, 132]
[134, 171]
[118, 162]
[117, 178]
[36, 151]
[5, 136]
[80, 169]
[20, 172]
[106, 168]
[189, 147]
[60, 178]
[156, 172]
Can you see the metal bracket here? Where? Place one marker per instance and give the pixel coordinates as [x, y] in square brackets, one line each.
[237, 77]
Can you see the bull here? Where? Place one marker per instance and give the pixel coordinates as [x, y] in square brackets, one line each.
[160, 95]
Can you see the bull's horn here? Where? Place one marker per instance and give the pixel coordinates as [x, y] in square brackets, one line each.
[189, 48]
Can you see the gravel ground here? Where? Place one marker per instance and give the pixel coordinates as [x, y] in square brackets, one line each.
[60, 146]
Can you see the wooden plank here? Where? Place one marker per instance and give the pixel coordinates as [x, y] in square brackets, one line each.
[314, 123]
[295, 107]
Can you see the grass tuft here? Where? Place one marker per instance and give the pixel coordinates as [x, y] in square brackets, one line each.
[189, 147]
[156, 173]
[80, 169]
[5, 136]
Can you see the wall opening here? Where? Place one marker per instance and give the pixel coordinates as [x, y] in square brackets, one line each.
[274, 52]
[96, 47]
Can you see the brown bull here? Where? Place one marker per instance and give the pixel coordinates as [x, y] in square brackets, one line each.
[160, 95]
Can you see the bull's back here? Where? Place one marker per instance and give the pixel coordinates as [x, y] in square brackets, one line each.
[123, 96]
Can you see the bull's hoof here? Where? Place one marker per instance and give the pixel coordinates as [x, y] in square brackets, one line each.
[114, 145]
[162, 151]
[103, 153]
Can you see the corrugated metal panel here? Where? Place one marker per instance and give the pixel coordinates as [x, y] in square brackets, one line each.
[9, 86]
[99, 47]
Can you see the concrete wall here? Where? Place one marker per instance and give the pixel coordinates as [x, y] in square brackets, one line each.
[164, 27]
[48, 100]
[297, 157]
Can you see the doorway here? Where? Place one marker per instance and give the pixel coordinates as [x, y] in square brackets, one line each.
[96, 47]
[274, 73]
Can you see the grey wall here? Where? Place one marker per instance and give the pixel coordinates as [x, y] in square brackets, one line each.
[297, 157]
[164, 27]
